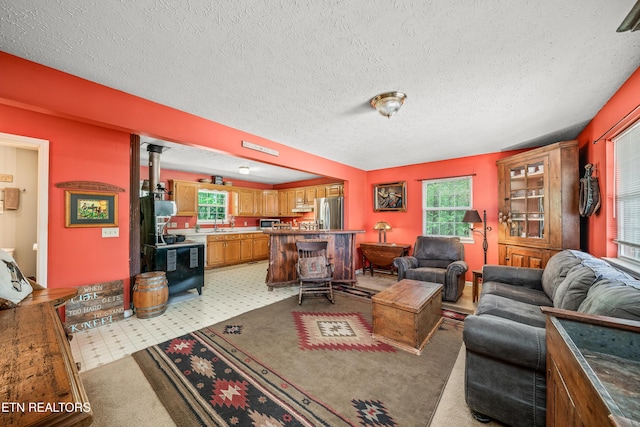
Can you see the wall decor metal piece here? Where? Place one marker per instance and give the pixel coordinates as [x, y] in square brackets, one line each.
[90, 185]
[390, 197]
[91, 209]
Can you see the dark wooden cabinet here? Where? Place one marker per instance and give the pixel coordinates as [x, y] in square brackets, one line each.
[593, 370]
[538, 204]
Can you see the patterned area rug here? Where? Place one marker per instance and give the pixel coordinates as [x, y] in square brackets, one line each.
[299, 365]
[336, 331]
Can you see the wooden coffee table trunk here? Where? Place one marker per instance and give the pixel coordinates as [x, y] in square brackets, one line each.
[407, 314]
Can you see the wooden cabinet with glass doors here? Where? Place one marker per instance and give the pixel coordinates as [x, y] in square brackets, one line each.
[538, 204]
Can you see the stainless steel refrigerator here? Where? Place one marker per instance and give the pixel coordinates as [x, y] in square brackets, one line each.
[329, 212]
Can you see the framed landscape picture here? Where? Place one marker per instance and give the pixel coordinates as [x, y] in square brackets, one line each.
[91, 209]
[390, 197]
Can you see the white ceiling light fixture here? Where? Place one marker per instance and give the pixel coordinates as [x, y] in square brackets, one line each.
[244, 170]
[388, 103]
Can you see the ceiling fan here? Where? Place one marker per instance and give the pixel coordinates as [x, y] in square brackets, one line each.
[632, 20]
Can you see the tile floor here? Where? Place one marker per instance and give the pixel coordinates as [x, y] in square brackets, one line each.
[228, 292]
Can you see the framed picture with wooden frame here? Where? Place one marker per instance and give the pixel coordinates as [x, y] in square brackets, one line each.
[91, 209]
[390, 197]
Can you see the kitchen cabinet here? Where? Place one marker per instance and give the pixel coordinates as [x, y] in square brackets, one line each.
[538, 204]
[270, 203]
[249, 202]
[287, 202]
[185, 194]
[246, 248]
[335, 190]
[260, 246]
[235, 248]
[215, 251]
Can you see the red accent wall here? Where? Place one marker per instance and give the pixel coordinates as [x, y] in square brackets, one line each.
[407, 225]
[599, 229]
[89, 126]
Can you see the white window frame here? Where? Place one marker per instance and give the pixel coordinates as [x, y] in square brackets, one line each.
[465, 239]
[226, 208]
[628, 253]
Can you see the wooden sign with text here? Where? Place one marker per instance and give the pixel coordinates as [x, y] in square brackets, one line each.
[95, 305]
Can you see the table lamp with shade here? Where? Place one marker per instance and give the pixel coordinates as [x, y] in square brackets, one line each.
[473, 217]
[382, 227]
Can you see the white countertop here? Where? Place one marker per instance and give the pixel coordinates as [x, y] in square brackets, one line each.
[191, 233]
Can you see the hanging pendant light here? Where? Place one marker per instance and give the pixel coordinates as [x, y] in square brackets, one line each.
[388, 103]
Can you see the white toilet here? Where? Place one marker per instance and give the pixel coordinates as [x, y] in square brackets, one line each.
[9, 251]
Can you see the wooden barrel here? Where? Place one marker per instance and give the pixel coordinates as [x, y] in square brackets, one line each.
[150, 294]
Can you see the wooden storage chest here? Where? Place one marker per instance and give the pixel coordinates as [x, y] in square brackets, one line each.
[407, 314]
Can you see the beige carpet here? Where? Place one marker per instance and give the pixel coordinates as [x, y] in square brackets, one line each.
[120, 394]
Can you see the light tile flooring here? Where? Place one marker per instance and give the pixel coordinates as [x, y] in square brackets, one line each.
[228, 292]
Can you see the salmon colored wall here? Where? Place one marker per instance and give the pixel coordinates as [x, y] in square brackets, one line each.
[599, 229]
[406, 226]
[80, 115]
[89, 126]
[79, 152]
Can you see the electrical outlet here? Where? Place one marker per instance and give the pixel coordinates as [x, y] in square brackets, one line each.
[186, 225]
[111, 232]
[245, 223]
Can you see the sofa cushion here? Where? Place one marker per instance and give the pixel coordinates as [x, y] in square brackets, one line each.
[558, 267]
[427, 274]
[573, 289]
[617, 298]
[506, 308]
[517, 293]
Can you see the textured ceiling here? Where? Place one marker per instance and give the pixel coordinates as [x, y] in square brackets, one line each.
[481, 76]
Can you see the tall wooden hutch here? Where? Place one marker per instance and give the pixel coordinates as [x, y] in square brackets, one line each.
[538, 198]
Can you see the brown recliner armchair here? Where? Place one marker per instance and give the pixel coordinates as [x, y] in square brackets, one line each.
[437, 260]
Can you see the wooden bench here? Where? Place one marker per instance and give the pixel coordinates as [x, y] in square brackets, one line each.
[407, 314]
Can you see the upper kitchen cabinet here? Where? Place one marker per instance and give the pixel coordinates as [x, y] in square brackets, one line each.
[185, 194]
[538, 204]
[270, 202]
[249, 202]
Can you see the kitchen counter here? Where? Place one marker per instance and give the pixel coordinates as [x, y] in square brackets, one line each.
[283, 254]
[295, 231]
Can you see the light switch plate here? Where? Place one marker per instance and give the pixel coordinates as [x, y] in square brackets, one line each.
[111, 232]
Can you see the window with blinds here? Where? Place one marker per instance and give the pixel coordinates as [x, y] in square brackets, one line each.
[627, 168]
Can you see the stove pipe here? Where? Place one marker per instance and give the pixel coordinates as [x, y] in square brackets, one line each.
[154, 171]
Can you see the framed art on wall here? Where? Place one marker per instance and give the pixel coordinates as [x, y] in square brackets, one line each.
[390, 197]
[91, 209]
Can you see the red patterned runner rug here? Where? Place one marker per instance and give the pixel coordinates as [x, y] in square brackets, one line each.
[203, 380]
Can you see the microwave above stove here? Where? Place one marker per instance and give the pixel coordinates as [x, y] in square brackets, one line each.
[268, 222]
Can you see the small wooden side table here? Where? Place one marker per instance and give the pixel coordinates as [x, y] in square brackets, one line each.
[477, 277]
[381, 254]
[56, 296]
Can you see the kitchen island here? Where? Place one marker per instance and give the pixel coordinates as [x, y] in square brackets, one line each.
[283, 254]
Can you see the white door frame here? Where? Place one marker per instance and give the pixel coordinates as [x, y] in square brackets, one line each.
[42, 147]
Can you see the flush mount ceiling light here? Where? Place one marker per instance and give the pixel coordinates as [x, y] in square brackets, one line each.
[244, 170]
[388, 103]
